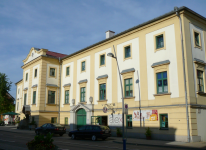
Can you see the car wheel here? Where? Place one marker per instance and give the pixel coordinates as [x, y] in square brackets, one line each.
[94, 138]
[73, 137]
[60, 134]
[104, 138]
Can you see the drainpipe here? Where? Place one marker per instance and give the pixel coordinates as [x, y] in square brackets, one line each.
[176, 9]
[60, 88]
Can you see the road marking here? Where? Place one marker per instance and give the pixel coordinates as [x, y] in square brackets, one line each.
[6, 141]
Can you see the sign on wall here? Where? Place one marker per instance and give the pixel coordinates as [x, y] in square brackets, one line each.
[115, 120]
[148, 115]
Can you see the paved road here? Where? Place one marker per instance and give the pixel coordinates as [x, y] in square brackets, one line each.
[17, 141]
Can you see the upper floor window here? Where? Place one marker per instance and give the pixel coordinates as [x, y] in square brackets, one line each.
[162, 86]
[25, 95]
[18, 90]
[82, 94]
[67, 97]
[128, 87]
[26, 76]
[83, 66]
[197, 39]
[102, 59]
[159, 41]
[200, 82]
[52, 72]
[102, 88]
[34, 97]
[67, 71]
[127, 52]
[51, 97]
[35, 73]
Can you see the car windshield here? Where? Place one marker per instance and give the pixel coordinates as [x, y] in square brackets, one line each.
[57, 125]
[104, 127]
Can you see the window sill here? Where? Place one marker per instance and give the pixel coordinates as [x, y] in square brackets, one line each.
[67, 104]
[51, 104]
[161, 94]
[104, 100]
[129, 97]
[164, 129]
[197, 46]
[201, 93]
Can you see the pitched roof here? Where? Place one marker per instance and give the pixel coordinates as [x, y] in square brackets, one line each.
[55, 54]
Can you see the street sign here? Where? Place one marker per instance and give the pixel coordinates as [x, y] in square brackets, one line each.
[105, 109]
[126, 109]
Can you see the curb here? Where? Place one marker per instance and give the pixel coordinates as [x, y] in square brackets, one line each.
[168, 146]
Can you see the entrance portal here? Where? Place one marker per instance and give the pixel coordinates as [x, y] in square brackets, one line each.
[81, 118]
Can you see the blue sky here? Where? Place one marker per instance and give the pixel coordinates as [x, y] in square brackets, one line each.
[66, 26]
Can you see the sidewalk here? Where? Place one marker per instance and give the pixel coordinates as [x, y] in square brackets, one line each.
[158, 143]
[14, 129]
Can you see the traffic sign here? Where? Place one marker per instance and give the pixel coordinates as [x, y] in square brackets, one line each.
[105, 109]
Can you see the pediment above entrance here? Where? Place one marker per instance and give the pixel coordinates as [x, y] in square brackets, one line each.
[79, 106]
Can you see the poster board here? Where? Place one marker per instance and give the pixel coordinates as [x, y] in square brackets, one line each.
[148, 115]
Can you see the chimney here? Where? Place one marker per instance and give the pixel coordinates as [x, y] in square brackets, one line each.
[109, 34]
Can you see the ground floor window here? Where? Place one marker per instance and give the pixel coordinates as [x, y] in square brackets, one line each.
[129, 121]
[163, 121]
[32, 119]
[66, 120]
[54, 120]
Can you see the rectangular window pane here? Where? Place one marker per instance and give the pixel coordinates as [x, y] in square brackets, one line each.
[51, 97]
[102, 60]
[52, 72]
[127, 52]
[164, 74]
[163, 121]
[67, 71]
[25, 95]
[159, 41]
[26, 76]
[34, 97]
[102, 91]
[162, 85]
[67, 97]
[159, 76]
[35, 74]
[197, 42]
[83, 65]
[200, 81]
[128, 87]
[82, 94]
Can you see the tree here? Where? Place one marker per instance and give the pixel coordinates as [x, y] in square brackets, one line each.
[6, 101]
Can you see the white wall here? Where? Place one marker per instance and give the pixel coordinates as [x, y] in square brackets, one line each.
[127, 64]
[196, 52]
[83, 76]
[51, 80]
[26, 85]
[99, 71]
[67, 80]
[168, 54]
[34, 82]
[35, 55]
[19, 96]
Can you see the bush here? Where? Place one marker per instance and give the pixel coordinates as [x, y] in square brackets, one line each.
[42, 143]
[119, 133]
[148, 132]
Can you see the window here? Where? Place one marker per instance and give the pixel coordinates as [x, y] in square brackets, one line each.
[51, 97]
[197, 39]
[163, 121]
[26, 76]
[102, 88]
[33, 119]
[52, 72]
[200, 82]
[34, 97]
[127, 52]
[66, 120]
[54, 120]
[102, 60]
[25, 98]
[67, 71]
[17, 105]
[162, 86]
[83, 66]
[67, 97]
[128, 87]
[35, 73]
[159, 41]
[18, 91]
[129, 121]
[82, 128]
[82, 94]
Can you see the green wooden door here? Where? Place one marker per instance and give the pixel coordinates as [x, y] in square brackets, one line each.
[81, 118]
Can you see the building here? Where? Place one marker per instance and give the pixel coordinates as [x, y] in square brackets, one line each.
[73, 89]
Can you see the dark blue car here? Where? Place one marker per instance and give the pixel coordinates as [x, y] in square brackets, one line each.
[54, 128]
[91, 131]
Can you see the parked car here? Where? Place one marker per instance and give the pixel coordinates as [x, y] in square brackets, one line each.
[91, 131]
[54, 128]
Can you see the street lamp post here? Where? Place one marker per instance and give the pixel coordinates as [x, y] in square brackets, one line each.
[123, 135]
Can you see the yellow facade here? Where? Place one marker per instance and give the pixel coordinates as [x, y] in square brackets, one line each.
[171, 103]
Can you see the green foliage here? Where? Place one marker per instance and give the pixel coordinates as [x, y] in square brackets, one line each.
[5, 100]
[119, 133]
[32, 123]
[42, 143]
[148, 132]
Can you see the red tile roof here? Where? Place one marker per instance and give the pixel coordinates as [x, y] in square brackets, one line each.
[50, 53]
